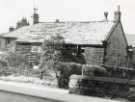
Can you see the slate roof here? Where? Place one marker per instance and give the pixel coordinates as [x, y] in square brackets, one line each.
[73, 32]
[131, 39]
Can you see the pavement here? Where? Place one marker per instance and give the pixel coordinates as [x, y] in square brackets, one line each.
[40, 91]
[14, 97]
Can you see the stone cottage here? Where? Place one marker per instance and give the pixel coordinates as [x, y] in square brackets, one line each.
[101, 42]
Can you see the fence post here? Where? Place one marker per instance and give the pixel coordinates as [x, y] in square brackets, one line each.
[82, 71]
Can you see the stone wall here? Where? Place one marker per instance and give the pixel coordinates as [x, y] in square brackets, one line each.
[116, 51]
[23, 49]
[94, 56]
[31, 55]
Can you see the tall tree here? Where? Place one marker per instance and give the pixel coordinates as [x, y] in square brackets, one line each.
[51, 55]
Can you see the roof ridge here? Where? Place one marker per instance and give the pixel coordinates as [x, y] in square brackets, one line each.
[76, 21]
[76, 32]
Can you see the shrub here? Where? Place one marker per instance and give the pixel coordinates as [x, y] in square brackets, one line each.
[66, 70]
[57, 60]
[10, 61]
[51, 55]
[15, 60]
[94, 70]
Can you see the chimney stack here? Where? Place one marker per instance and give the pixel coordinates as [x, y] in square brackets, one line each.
[57, 21]
[22, 23]
[35, 16]
[11, 29]
[117, 14]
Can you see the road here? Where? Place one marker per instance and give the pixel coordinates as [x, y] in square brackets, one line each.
[13, 97]
[24, 92]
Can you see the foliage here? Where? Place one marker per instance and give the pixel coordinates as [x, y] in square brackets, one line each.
[51, 54]
[55, 61]
[94, 70]
[15, 60]
[68, 57]
[12, 62]
[66, 70]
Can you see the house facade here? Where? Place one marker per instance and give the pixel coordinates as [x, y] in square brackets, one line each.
[112, 51]
[116, 47]
[100, 42]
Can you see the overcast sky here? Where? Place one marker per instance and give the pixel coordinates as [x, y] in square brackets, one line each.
[66, 10]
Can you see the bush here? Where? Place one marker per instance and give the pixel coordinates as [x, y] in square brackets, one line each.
[15, 60]
[95, 70]
[12, 62]
[66, 70]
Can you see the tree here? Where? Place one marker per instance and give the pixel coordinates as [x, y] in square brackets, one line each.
[51, 55]
[57, 59]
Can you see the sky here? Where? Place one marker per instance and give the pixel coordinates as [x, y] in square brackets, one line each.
[12, 11]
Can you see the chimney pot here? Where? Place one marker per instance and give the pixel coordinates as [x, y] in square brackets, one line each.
[11, 29]
[118, 8]
[57, 21]
[117, 14]
[106, 15]
[35, 16]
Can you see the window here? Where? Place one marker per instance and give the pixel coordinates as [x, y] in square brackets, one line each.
[7, 41]
[36, 49]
